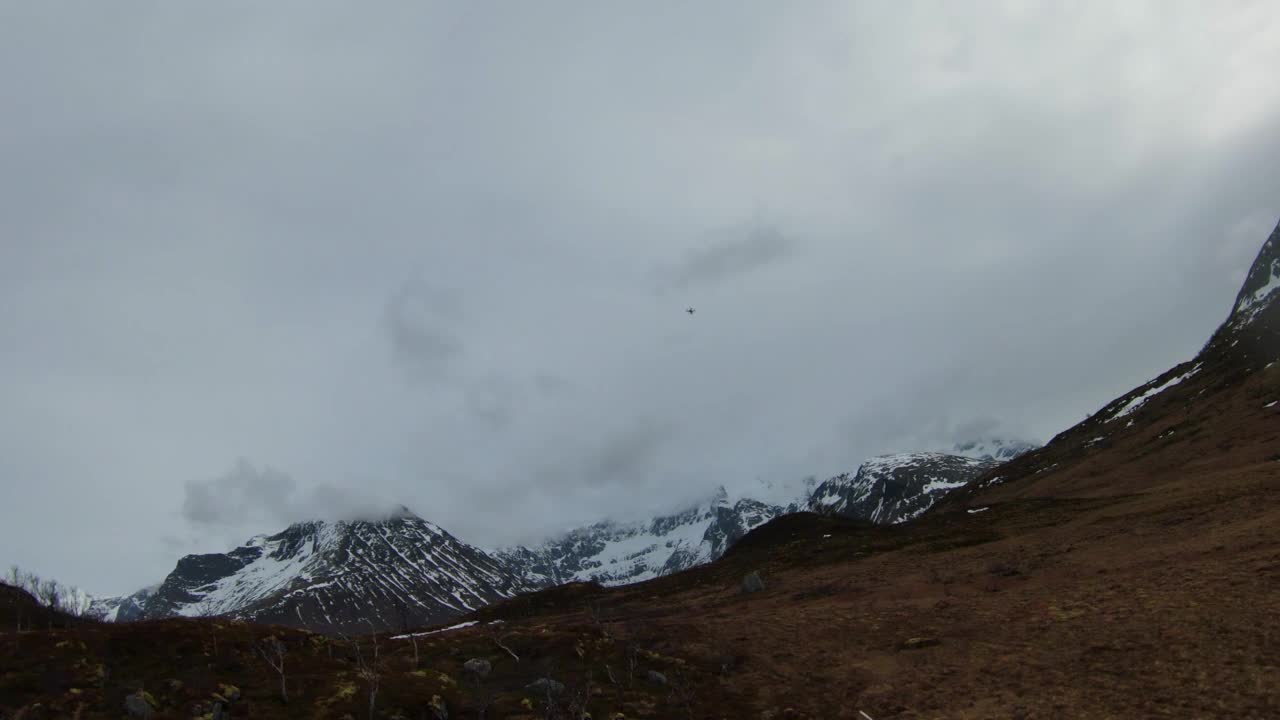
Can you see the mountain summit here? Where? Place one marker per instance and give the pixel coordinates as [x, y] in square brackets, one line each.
[1252, 332]
[396, 572]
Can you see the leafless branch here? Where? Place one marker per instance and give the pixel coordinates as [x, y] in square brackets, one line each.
[273, 651]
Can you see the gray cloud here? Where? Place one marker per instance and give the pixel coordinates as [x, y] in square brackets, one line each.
[445, 251]
[417, 320]
[729, 254]
[249, 496]
[242, 495]
[629, 457]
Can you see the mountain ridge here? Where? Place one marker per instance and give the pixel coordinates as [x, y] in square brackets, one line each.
[298, 576]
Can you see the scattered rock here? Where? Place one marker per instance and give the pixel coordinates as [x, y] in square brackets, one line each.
[137, 706]
[657, 678]
[545, 686]
[478, 667]
[752, 583]
[919, 642]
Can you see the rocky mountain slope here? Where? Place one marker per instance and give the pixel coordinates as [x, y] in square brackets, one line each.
[405, 570]
[353, 576]
[896, 488]
[884, 490]
[613, 553]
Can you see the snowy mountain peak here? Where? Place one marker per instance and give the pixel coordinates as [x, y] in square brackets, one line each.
[992, 448]
[343, 575]
[1258, 290]
[1250, 337]
[895, 488]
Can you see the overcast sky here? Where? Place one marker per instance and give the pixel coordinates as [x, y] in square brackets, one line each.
[264, 261]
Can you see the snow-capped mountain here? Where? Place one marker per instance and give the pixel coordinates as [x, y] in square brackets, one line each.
[122, 608]
[613, 553]
[993, 448]
[403, 570]
[895, 488]
[1250, 338]
[885, 490]
[344, 576]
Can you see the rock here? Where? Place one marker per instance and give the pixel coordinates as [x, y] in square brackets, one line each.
[478, 667]
[752, 583]
[545, 686]
[919, 642]
[220, 711]
[439, 711]
[137, 706]
[656, 677]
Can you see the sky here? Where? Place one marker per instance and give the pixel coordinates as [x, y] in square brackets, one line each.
[262, 262]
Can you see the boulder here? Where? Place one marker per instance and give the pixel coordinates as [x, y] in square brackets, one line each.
[545, 686]
[478, 667]
[752, 583]
[137, 706]
[919, 642]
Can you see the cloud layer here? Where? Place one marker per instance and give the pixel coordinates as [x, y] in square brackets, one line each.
[438, 254]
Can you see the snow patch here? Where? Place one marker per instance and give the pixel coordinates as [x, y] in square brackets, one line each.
[975, 511]
[459, 626]
[1133, 405]
[1250, 304]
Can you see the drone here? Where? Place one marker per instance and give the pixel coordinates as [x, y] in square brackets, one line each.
[690, 311]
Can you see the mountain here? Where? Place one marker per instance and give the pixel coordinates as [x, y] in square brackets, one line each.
[389, 573]
[994, 448]
[888, 489]
[895, 488]
[122, 608]
[613, 553]
[1229, 387]
[404, 570]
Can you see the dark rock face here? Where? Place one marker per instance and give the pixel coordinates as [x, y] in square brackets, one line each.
[182, 587]
[896, 488]
[731, 523]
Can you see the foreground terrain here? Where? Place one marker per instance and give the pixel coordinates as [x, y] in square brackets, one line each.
[1157, 600]
[1128, 569]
